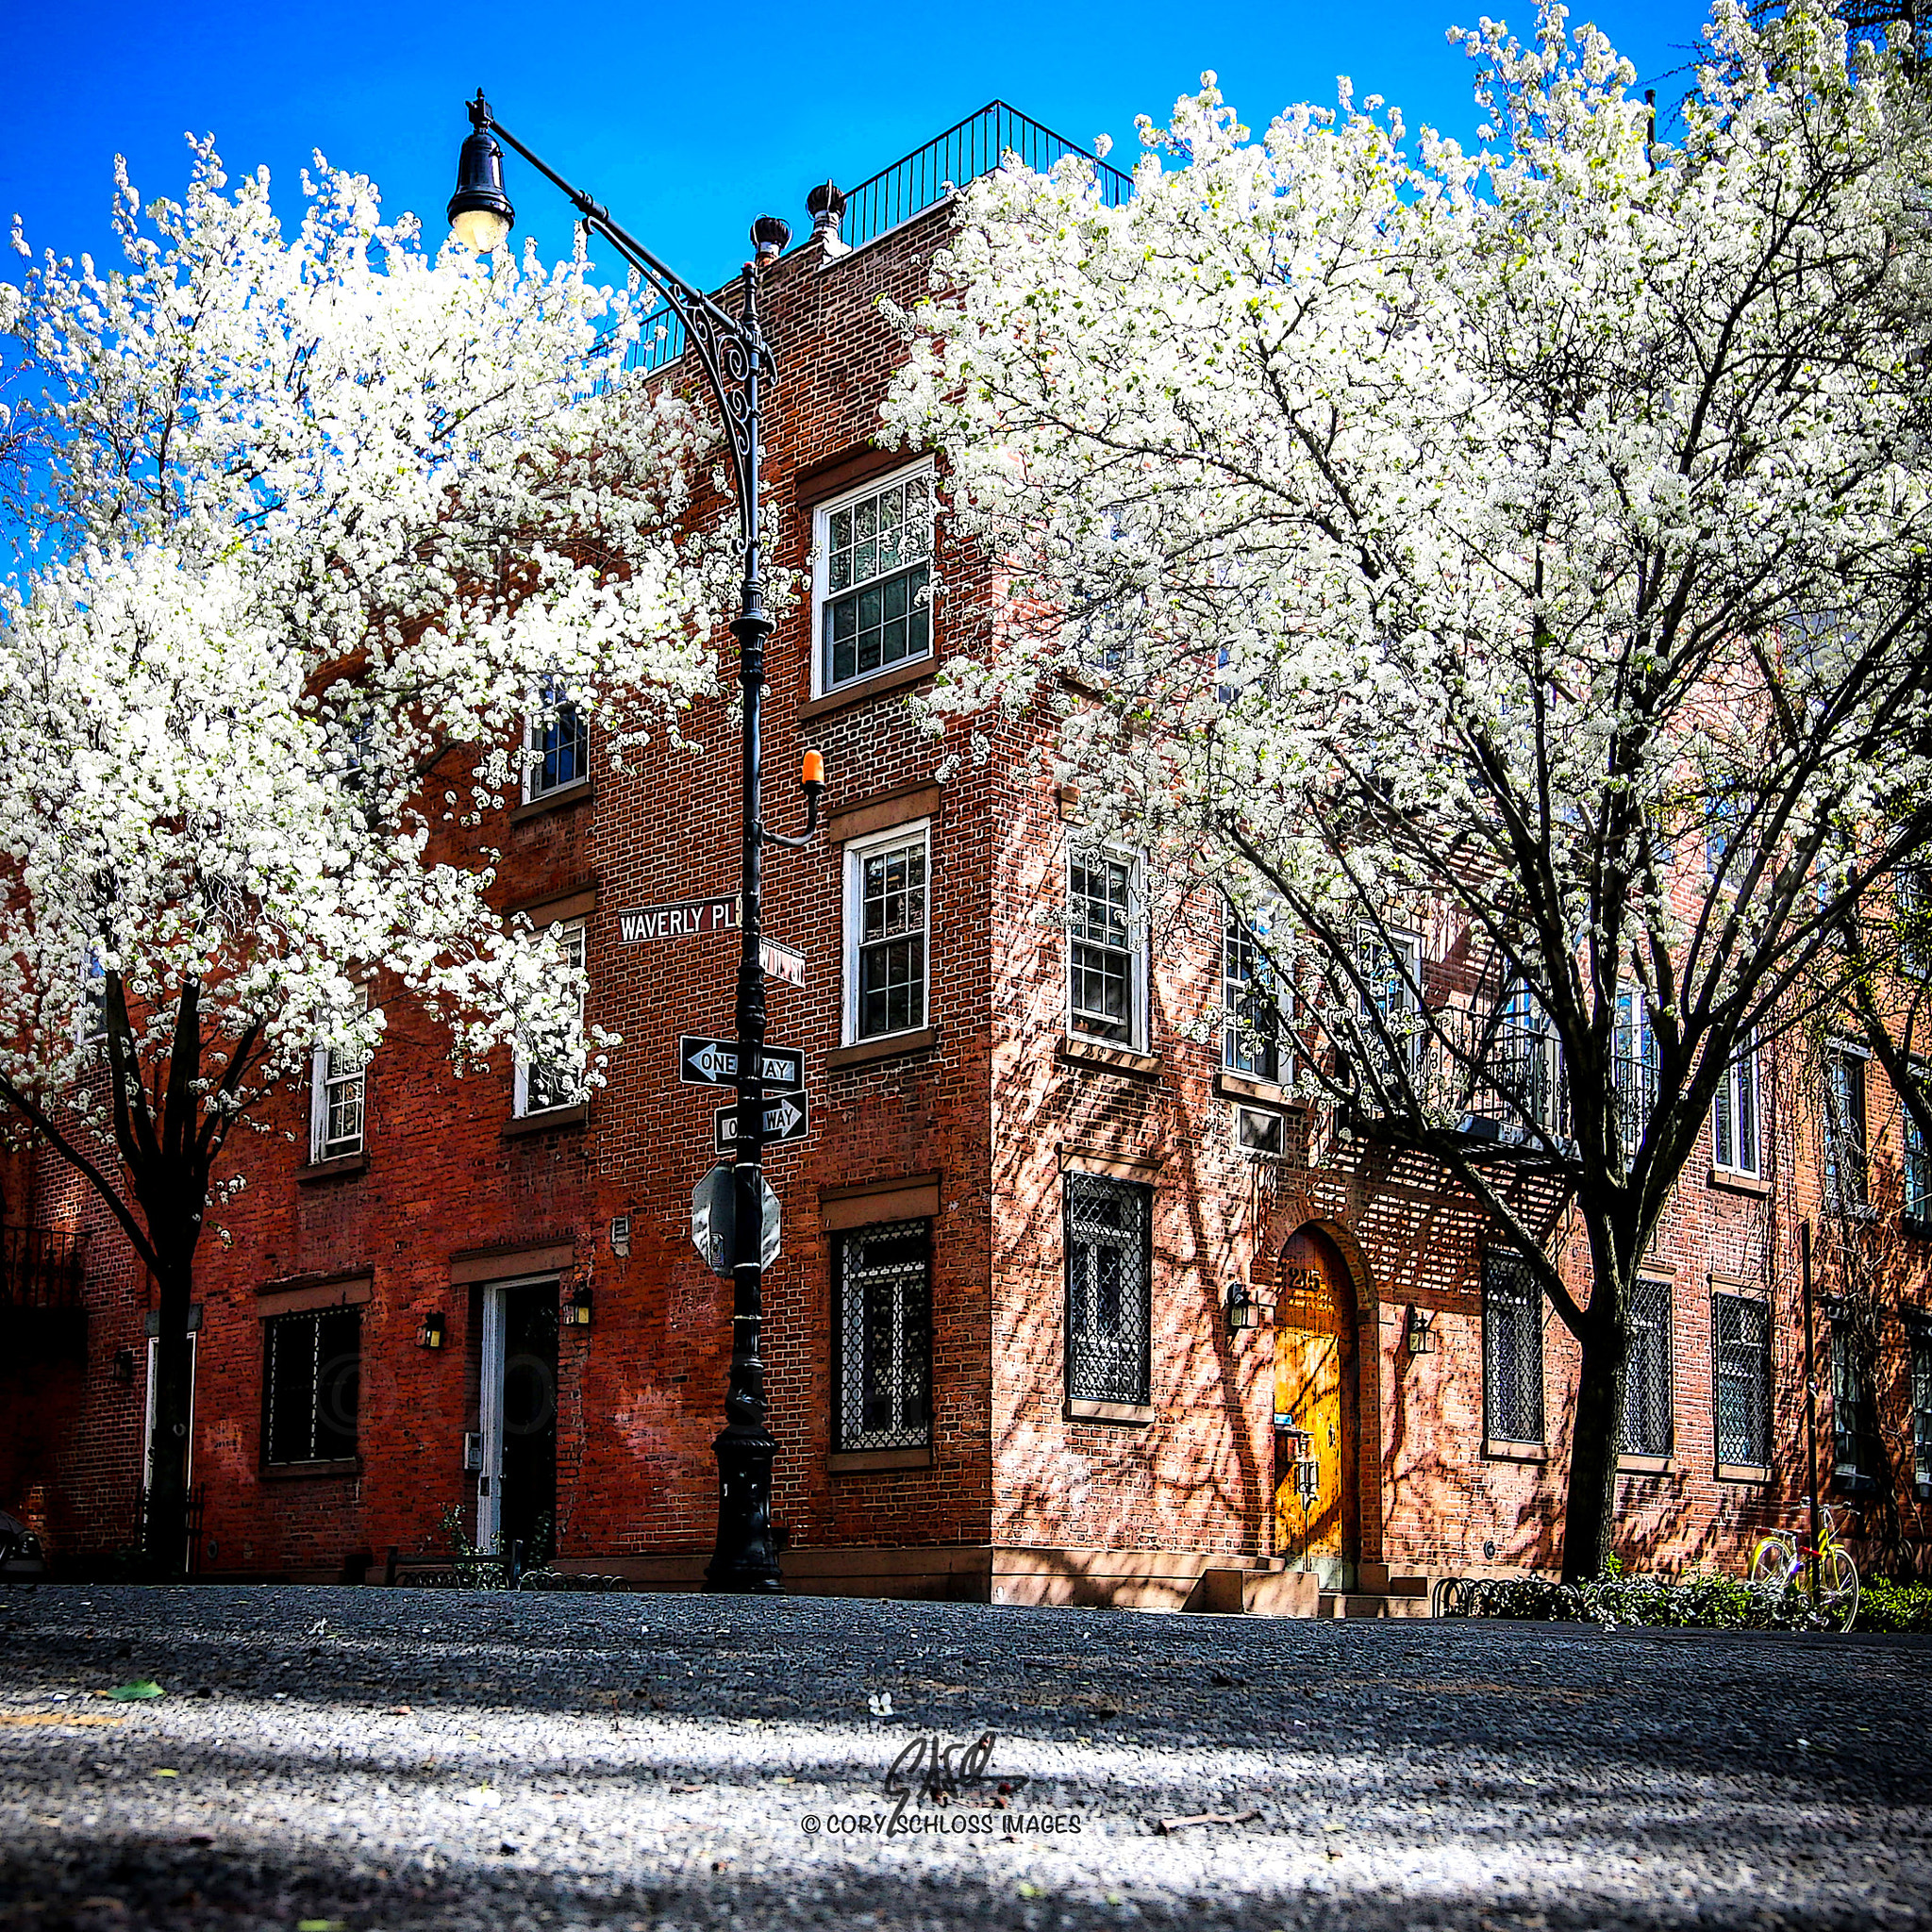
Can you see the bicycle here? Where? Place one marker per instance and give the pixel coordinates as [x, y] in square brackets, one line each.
[1779, 1562]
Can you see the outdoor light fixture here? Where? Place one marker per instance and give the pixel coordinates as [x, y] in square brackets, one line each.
[735, 361]
[576, 1312]
[430, 1334]
[480, 211]
[1243, 1311]
[1419, 1330]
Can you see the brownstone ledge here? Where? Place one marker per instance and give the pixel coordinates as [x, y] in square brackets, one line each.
[894, 1045]
[1498, 1451]
[880, 684]
[552, 801]
[1743, 1473]
[1070, 1052]
[289, 1472]
[340, 1168]
[1134, 1412]
[1737, 1183]
[542, 1122]
[866, 1461]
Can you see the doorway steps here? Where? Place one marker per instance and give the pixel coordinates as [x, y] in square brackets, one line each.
[1269, 1591]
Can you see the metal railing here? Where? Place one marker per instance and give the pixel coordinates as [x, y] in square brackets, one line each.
[912, 184]
[41, 1267]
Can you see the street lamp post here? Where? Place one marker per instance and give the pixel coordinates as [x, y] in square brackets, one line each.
[732, 352]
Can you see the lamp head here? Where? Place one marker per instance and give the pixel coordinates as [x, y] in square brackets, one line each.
[812, 769]
[479, 211]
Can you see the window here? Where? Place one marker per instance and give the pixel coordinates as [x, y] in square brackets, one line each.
[1634, 1052]
[1391, 967]
[90, 1021]
[1851, 1405]
[1527, 1064]
[1921, 1412]
[1248, 1036]
[1106, 970]
[312, 1380]
[336, 1081]
[884, 1291]
[1647, 1373]
[1844, 1131]
[557, 745]
[1914, 936]
[1734, 1116]
[1258, 1131]
[1110, 1271]
[1918, 1168]
[874, 579]
[1741, 1374]
[887, 922]
[1513, 1349]
[542, 1085]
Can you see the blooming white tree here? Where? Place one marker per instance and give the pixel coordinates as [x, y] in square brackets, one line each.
[1505, 569]
[328, 520]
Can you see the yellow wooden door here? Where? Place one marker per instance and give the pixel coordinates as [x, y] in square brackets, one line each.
[1314, 1388]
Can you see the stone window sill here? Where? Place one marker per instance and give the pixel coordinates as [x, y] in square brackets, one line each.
[340, 1168]
[1496, 1450]
[880, 684]
[1070, 1052]
[1743, 1473]
[1245, 1086]
[560, 800]
[291, 1472]
[862, 1053]
[1130, 1413]
[866, 1461]
[1739, 1183]
[552, 1117]
[1643, 1465]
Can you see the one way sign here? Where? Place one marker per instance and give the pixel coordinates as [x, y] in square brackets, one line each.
[788, 1117]
[705, 1062]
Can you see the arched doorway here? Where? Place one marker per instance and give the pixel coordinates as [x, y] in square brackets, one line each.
[1317, 1499]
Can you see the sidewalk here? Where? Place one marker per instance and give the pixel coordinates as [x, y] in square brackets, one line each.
[368, 1759]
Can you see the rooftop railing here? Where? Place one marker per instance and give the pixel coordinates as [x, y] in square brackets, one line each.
[912, 184]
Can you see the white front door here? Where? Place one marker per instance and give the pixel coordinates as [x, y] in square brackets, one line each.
[490, 1409]
[148, 1427]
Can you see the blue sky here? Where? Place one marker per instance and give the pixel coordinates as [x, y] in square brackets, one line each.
[685, 121]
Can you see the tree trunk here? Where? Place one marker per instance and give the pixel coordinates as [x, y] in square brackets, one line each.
[164, 1547]
[1589, 1509]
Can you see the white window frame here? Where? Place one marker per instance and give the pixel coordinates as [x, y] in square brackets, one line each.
[90, 1019]
[1246, 934]
[1137, 948]
[535, 791]
[1631, 1023]
[1266, 1122]
[856, 852]
[822, 595]
[324, 1076]
[1405, 989]
[572, 931]
[1743, 1068]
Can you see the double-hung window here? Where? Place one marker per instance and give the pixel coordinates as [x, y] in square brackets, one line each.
[1733, 1127]
[1845, 1179]
[1921, 1412]
[1248, 1040]
[1110, 1250]
[312, 1380]
[1647, 1373]
[1913, 908]
[1513, 1349]
[1851, 1405]
[883, 1281]
[1633, 1052]
[1106, 949]
[557, 745]
[1740, 1376]
[874, 578]
[1526, 1065]
[90, 1019]
[336, 1093]
[542, 1085]
[1390, 968]
[1918, 1161]
[888, 922]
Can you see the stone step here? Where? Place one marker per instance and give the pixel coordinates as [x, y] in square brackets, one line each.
[1390, 1603]
[1272, 1592]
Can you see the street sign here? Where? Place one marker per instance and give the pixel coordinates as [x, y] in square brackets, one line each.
[781, 962]
[682, 919]
[703, 1061]
[713, 1219]
[788, 1117]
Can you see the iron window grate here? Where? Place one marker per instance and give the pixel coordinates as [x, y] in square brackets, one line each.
[1109, 1282]
[1512, 1348]
[1742, 1370]
[885, 1336]
[1647, 1371]
[1922, 1409]
[312, 1380]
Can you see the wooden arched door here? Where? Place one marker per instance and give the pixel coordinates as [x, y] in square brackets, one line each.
[1317, 1507]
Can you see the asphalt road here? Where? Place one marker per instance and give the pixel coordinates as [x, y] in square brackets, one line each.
[354, 1759]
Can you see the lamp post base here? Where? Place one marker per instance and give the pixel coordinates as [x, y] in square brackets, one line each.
[745, 1561]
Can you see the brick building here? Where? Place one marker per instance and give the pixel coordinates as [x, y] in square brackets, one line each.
[1000, 1346]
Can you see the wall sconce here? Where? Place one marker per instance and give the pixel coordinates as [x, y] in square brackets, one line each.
[576, 1312]
[431, 1333]
[1243, 1311]
[1419, 1330]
